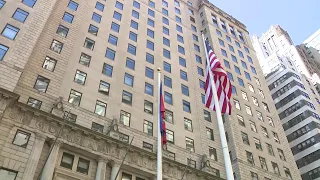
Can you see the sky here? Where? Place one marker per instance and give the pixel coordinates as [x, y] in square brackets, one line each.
[300, 18]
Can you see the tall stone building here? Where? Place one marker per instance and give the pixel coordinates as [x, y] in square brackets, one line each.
[295, 96]
[78, 84]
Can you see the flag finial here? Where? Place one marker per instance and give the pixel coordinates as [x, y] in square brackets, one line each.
[159, 69]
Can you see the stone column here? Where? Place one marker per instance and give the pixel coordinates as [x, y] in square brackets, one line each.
[48, 169]
[115, 168]
[101, 169]
[34, 157]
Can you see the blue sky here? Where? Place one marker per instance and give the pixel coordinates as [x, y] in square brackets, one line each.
[299, 18]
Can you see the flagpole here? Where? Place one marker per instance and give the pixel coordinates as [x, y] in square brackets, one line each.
[159, 151]
[224, 144]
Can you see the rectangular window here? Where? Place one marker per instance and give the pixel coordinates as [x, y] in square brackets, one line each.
[207, 115]
[200, 71]
[150, 12]
[224, 52]
[226, 63]
[263, 163]
[100, 108]
[113, 40]
[210, 134]
[104, 88]
[194, 29]
[165, 30]
[183, 75]
[3, 51]
[250, 158]
[264, 132]
[131, 49]
[181, 49]
[133, 36]
[134, 25]
[115, 27]
[148, 127]
[236, 104]
[202, 84]
[234, 90]
[147, 146]
[68, 17]
[179, 28]
[241, 120]
[136, 4]
[250, 59]
[10, 32]
[165, 20]
[99, 6]
[149, 58]
[151, 4]
[29, 3]
[213, 154]
[244, 95]
[218, 33]
[166, 54]
[257, 142]
[186, 106]
[237, 69]
[128, 79]
[167, 81]
[80, 77]
[150, 45]
[222, 43]
[177, 10]
[170, 136]
[240, 81]
[247, 75]
[188, 124]
[196, 47]
[49, 63]
[41, 84]
[62, 31]
[119, 5]
[150, 33]
[150, 22]
[245, 138]
[97, 127]
[73, 5]
[166, 41]
[130, 63]
[34, 103]
[149, 73]
[125, 118]
[185, 90]
[127, 98]
[148, 107]
[21, 139]
[231, 48]
[275, 168]
[276, 137]
[148, 89]
[88, 43]
[238, 44]
[167, 67]
[248, 110]
[110, 54]
[234, 59]
[117, 16]
[20, 15]
[67, 160]
[168, 116]
[189, 144]
[165, 12]
[165, 3]
[198, 59]
[254, 176]
[85, 59]
[168, 98]
[281, 154]
[107, 69]
[83, 166]
[253, 70]
[253, 126]
[74, 97]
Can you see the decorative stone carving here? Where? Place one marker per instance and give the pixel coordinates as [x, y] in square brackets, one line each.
[27, 117]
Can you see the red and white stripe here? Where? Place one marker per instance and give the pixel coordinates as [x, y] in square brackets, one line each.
[222, 82]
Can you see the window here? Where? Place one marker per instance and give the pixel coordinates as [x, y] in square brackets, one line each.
[189, 144]
[176, 3]
[168, 116]
[170, 136]
[240, 54]
[207, 115]
[128, 79]
[248, 110]
[117, 16]
[110, 54]
[124, 138]
[147, 146]
[250, 87]
[10, 32]
[29, 3]
[100, 108]
[234, 59]
[178, 19]
[186, 106]
[250, 59]
[125, 118]
[200, 71]
[238, 44]
[68, 17]
[210, 133]
[181, 49]
[21, 138]
[231, 48]
[287, 173]
[20, 15]
[281, 154]
[276, 137]
[218, 33]
[49, 63]
[3, 51]
[226, 63]
[83, 166]
[168, 98]
[194, 29]
[150, 33]
[80, 77]
[119, 5]
[253, 126]
[179, 28]
[136, 4]
[152, 4]
[165, 20]
[149, 73]
[67, 160]
[213, 154]
[73, 5]
[188, 124]
[234, 90]
[246, 49]
[97, 127]
[150, 45]
[85, 59]
[257, 81]
[88, 43]
[41, 84]
[131, 49]
[34, 103]
[202, 84]
[167, 67]
[165, 30]
[237, 69]
[166, 41]
[165, 12]
[177, 10]
[133, 24]
[244, 95]
[104, 88]
[148, 89]
[148, 127]
[228, 38]
[270, 121]
[254, 176]
[275, 168]
[222, 43]
[133, 36]
[151, 22]
[198, 59]
[241, 83]
[253, 70]
[185, 90]
[107, 69]
[264, 132]
[148, 107]
[149, 58]
[236, 104]
[75, 97]
[255, 101]
[165, 3]
[241, 120]
[56, 46]
[183, 75]
[224, 52]
[150, 12]
[257, 142]
[126, 97]
[265, 106]
[196, 47]
[166, 54]
[245, 138]
[116, 27]
[250, 158]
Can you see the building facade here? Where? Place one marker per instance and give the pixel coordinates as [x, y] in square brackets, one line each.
[297, 103]
[78, 85]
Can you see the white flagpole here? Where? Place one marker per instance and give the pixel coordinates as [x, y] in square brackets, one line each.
[224, 144]
[159, 151]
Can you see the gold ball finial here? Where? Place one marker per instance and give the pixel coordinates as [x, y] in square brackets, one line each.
[159, 69]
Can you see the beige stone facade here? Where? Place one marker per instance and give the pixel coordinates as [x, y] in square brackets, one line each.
[168, 31]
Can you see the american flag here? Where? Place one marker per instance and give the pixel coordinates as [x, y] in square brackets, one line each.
[221, 80]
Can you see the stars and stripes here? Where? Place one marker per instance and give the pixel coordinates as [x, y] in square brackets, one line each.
[221, 80]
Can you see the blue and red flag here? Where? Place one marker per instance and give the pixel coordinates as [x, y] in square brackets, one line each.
[162, 117]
